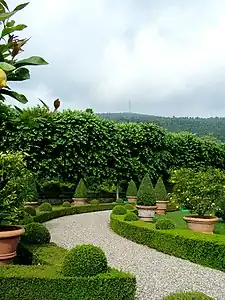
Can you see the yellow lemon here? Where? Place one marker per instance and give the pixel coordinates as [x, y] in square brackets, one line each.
[3, 79]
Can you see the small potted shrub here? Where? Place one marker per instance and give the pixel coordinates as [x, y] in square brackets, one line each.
[131, 192]
[146, 200]
[161, 197]
[80, 195]
[201, 193]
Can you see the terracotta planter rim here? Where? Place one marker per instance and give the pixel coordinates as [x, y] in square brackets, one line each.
[162, 201]
[79, 198]
[145, 207]
[203, 219]
[30, 203]
[11, 231]
[131, 196]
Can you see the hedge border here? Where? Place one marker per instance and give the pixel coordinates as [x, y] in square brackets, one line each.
[196, 247]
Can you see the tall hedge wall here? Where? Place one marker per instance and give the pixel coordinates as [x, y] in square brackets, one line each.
[74, 144]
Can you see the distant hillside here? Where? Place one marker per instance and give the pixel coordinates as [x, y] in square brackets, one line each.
[201, 126]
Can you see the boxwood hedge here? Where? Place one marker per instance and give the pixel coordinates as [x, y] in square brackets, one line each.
[207, 250]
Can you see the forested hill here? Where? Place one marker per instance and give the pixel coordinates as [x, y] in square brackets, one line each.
[200, 126]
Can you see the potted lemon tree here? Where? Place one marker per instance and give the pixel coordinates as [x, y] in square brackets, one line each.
[161, 197]
[80, 195]
[131, 192]
[146, 200]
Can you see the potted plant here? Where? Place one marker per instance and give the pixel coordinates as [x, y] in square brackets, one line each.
[14, 180]
[131, 192]
[161, 197]
[146, 200]
[200, 192]
[80, 195]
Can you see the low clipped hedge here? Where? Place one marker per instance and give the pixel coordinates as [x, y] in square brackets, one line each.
[66, 211]
[200, 248]
[188, 296]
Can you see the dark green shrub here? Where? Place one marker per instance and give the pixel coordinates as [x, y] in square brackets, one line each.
[130, 216]
[36, 233]
[95, 202]
[30, 210]
[188, 296]
[81, 190]
[84, 261]
[164, 224]
[119, 201]
[135, 211]
[66, 204]
[119, 210]
[131, 189]
[160, 190]
[45, 207]
[129, 206]
[27, 219]
[146, 193]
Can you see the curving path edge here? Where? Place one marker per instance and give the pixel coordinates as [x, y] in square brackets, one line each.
[157, 274]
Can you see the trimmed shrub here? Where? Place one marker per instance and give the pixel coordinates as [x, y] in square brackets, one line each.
[45, 207]
[146, 193]
[81, 190]
[135, 211]
[36, 233]
[188, 296]
[30, 210]
[130, 216]
[129, 206]
[84, 261]
[27, 219]
[95, 202]
[160, 190]
[119, 210]
[66, 204]
[164, 224]
[119, 201]
[131, 189]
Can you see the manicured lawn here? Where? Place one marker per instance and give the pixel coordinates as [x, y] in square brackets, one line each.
[177, 217]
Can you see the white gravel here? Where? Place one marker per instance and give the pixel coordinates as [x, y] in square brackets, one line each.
[157, 274]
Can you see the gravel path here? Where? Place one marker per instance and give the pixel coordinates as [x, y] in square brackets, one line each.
[157, 274]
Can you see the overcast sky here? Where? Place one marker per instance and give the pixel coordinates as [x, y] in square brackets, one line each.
[166, 56]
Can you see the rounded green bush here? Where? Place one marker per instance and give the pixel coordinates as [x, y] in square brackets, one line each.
[129, 206]
[119, 210]
[95, 202]
[45, 207]
[30, 210]
[27, 218]
[164, 224]
[188, 296]
[66, 204]
[130, 216]
[135, 211]
[84, 261]
[36, 234]
[119, 201]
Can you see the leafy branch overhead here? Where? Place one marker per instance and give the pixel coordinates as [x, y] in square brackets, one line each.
[11, 68]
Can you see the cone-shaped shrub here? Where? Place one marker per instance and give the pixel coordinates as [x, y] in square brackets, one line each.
[146, 193]
[81, 190]
[160, 190]
[131, 189]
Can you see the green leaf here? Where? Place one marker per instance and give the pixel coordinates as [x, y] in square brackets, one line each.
[11, 23]
[20, 74]
[5, 16]
[19, 97]
[46, 106]
[6, 67]
[8, 30]
[31, 61]
[4, 4]
[18, 109]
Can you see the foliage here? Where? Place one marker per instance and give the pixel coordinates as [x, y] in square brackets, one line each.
[146, 193]
[95, 202]
[36, 233]
[66, 204]
[130, 216]
[164, 224]
[131, 189]
[84, 261]
[26, 219]
[160, 190]
[81, 190]
[45, 207]
[129, 206]
[119, 210]
[188, 296]
[30, 210]
[119, 201]
[199, 191]
[177, 242]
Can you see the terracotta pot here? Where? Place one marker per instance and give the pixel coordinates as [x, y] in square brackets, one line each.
[9, 240]
[161, 207]
[146, 213]
[204, 224]
[35, 203]
[79, 201]
[132, 199]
